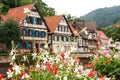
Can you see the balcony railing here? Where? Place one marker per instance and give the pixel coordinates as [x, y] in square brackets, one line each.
[34, 25]
[34, 38]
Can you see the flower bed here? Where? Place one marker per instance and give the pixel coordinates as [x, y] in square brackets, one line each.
[57, 66]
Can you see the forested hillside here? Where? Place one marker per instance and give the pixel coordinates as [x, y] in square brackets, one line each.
[104, 16]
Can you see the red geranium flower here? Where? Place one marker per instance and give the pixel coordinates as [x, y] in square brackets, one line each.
[89, 65]
[11, 69]
[1, 76]
[62, 54]
[91, 73]
[55, 71]
[108, 61]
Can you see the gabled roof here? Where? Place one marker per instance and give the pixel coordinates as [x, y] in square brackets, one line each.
[52, 22]
[18, 12]
[102, 35]
[91, 26]
[75, 33]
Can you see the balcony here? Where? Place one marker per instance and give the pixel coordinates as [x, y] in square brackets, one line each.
[61, 32]
[34, 38]
[34, 25]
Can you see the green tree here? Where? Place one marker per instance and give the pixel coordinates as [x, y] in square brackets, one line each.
[109, 30]
[44, 9]
[9, 30]
[116, 34]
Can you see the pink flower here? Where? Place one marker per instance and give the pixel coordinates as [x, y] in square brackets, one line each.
[106, 52]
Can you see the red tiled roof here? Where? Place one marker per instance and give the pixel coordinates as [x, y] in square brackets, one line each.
[52, 22]
[18, 12]
[75, 33]
[102, 35]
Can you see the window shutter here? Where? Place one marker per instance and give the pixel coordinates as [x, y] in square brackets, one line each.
[33, 33]
[32, 20]
[27, 19]
[40, 34]
[36, 20]
[41, 46]
[40, 21]
[26, 32]
[20, 45]
[44, 33]
[27, 45]
[20, 31]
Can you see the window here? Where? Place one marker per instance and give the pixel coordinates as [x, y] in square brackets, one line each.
[64, 28]
[62, 38]
[57, 38]
[36, 33]
[30, 19]
[58, 28]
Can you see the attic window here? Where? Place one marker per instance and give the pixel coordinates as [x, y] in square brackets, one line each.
[34, 10]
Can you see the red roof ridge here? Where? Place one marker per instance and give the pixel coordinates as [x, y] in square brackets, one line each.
[53, 21]
[18, 12]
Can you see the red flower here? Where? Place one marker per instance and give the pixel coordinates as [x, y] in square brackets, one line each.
[21, 75]
[62, 54]
[49, 67]
[11, 69]
[89, 65]
[101, 77]
[91, 73]
[108, 61]
[1, 76]
[55, 70]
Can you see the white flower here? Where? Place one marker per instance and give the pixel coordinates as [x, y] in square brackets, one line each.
[78, 75]
[37, 66]
[116, 56]
[76, 70]
[26, 76]
[26, 10]
[43, 67]
[34, 56]
[13, 57]
[65, 78]
[12, 52]
[60, 66]
[73, 49]
[46, 46]
[17, 69]
[9, 74]
[25, 58]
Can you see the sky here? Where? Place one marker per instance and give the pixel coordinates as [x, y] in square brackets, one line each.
[79, 7]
